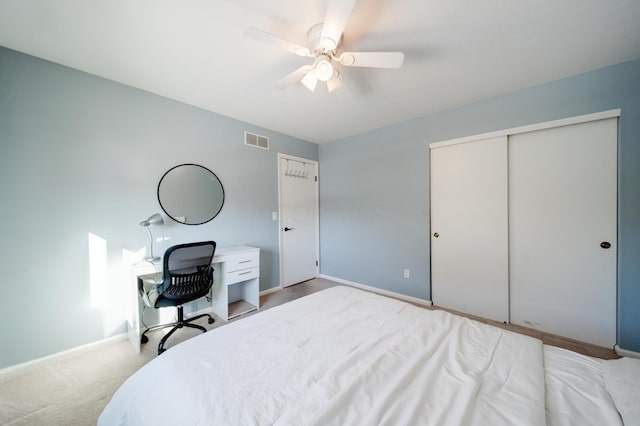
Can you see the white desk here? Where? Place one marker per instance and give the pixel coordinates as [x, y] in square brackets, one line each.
[235, 290]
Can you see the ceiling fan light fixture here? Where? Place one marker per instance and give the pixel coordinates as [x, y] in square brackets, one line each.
[328, 43]
[310, 80]
[324, 70]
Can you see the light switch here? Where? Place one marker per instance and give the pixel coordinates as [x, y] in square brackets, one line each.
[274, 215]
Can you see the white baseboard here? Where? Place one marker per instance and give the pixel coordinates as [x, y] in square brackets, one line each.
[378, 290]
[625, 352]
[64, 354]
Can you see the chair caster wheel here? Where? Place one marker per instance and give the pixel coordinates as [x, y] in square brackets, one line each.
[210, 320]
[144, 339]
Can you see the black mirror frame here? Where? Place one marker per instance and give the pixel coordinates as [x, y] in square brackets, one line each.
[184, 223]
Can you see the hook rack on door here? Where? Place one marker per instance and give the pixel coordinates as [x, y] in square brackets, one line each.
[296, 172]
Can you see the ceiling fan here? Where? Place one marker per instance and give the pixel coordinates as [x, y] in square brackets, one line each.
[324, 41]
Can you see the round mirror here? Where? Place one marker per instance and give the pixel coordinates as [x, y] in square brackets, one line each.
[190, 194]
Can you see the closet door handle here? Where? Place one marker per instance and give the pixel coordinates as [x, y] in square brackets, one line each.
[435, 234]
[605, 244]
[287, 229]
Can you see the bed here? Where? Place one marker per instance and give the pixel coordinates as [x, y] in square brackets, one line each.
[344, 356]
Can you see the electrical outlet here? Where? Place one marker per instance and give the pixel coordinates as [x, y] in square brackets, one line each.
[407, 273]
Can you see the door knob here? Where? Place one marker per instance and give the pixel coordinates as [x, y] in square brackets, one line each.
[605, 244]
[435, 234]
[287, 229]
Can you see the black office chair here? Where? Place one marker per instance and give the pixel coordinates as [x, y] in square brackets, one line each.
[187, 275]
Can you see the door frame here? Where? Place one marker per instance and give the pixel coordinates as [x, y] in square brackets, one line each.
[612, 113]
[282, 156]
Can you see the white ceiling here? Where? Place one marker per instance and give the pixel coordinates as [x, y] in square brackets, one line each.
[456, 52]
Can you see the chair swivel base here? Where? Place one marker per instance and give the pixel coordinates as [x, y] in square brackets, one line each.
[180, 323]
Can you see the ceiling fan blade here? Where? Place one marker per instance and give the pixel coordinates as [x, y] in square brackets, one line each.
[336, 18]
[260, 35]
[372, 59]
[293, 77]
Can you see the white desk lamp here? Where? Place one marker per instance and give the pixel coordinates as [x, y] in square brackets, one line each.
[154, 219]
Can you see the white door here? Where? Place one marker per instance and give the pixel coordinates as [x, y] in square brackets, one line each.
[562, 204]
[298, 186]
[469, 252]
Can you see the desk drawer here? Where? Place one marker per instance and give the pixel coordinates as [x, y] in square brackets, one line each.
[241, 275]
[242, 261]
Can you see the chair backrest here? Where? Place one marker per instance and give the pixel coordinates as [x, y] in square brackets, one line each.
[187, 273]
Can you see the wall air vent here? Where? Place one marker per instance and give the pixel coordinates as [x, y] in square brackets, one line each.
[258, 141]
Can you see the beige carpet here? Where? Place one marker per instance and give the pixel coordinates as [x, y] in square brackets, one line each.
[74, 390]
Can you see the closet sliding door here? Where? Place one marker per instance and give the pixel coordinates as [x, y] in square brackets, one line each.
[562, 230]
[469, 258]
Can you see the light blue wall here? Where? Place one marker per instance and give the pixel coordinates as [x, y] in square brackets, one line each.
[80, 154]
[374, 187]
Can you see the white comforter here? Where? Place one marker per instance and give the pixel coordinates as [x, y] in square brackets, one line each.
[576, 392]
[345, 357]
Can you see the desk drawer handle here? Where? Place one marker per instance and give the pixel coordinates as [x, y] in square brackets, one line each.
[244, 273]
[245, 261]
